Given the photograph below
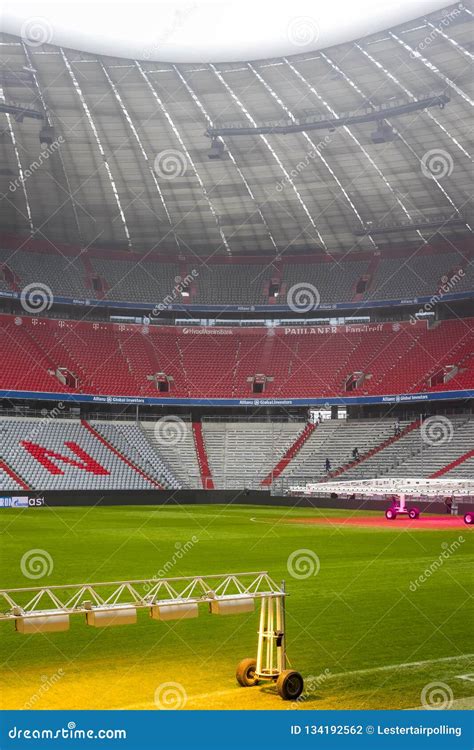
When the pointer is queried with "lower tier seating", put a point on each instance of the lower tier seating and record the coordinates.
(68, 454)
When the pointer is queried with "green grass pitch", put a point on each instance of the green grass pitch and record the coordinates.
(357, 631)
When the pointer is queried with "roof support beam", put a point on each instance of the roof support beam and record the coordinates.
(67, 189)
(93, 127)
(374, 113)
(143, 152)
(202, 109)
(272, 151)
(186, 153)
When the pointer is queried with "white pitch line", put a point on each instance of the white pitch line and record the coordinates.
(273, 522)
(384, 668)
(388, 667)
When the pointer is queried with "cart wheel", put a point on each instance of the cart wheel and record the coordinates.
(290, 684)
(469, 518)
(390, 514)
(417, 511)
(412, 513)
(246, 673)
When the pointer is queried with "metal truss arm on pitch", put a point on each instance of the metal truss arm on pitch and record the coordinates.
(82, 597)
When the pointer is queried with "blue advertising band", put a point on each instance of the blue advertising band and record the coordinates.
(139, 730)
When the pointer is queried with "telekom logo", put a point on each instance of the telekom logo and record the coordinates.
(44, 456)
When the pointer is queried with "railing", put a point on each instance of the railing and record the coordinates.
(262, 419)
(48, 415)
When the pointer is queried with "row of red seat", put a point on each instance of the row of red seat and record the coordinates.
(221, 363)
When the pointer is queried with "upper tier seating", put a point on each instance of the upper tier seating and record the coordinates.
(405, 278)
(64, 275)
(144, 282)
(154, 280)
(112, 359)
(334, 281)
(232, 284)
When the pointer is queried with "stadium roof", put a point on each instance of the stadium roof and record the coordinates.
(183, 31)
(127, 161)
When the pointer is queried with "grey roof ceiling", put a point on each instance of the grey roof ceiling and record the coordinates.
(116, 121)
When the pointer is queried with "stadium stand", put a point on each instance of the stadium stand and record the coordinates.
(401, 278)
(290, 453)
(336, 439)
(178, 453)
(81, 274)
(130, 441)
(233, 284)
(436, 458)
(204, 468)
(413, 455)
(241, 454)
(98, 455)
(143, 282)
(69, 454)
(64, 275)
(223, 362)
(334, 281)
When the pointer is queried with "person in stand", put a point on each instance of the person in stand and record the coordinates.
(320, 417)
(398, 427)
(355, 454)
(328, 466)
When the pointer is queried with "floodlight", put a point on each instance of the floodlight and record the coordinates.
(174, 611)
(232, 605)
(105, 617)
(43, 623)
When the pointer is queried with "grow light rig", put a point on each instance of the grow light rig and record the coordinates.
(47, 609)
